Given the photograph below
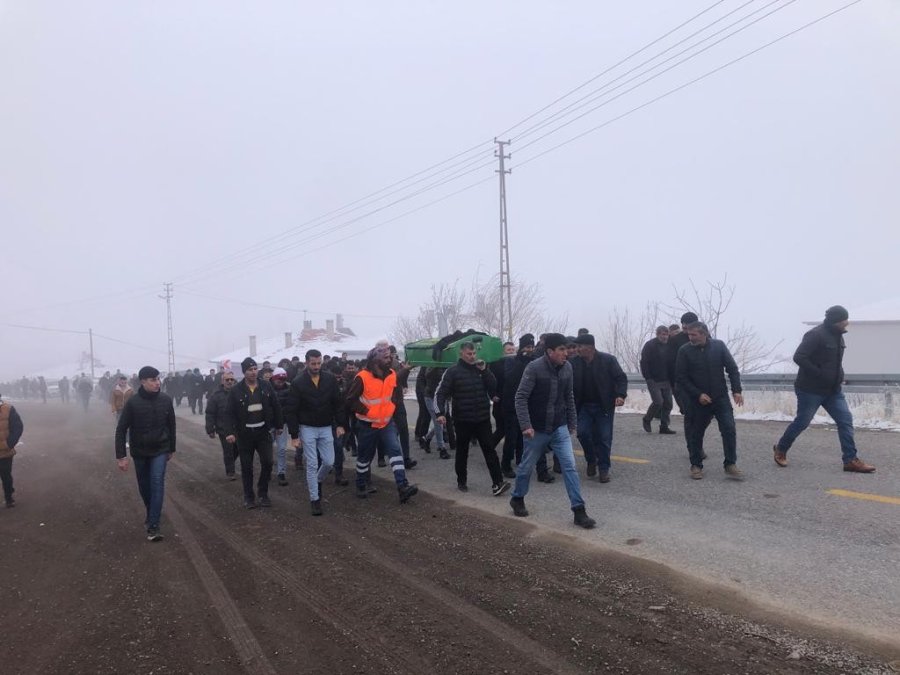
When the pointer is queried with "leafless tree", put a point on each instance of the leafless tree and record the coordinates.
(444, 311)
(626, 332)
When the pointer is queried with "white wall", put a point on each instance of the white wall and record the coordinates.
(872, 348)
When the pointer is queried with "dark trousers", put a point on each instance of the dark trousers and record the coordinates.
(423, 421)
(481, 431)
(595, 433)
(661, 406)
(259, 442)
(229, 453)
(513, 444)
(6, 477)
(338, 454)
(499, 424)
(701, 416)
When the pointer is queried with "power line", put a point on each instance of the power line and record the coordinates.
(45, 328)
(686, 84)
(283, 309)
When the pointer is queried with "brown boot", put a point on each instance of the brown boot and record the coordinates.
(780, 457)
(856, 465)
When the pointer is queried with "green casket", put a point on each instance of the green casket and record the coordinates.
(431, 354)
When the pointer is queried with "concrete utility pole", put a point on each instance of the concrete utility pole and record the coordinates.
(167, 288)
(505, 278)
(91, 340)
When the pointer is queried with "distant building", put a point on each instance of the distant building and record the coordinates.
(872, 339)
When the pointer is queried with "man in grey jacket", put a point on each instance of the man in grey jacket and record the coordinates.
(545, 408)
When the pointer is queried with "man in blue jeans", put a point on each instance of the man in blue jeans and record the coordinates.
(545, 408)
(820, 358)
(600, 387)
(149, 419)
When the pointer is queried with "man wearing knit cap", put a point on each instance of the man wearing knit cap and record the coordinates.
(372, 397)
(820, 357)
(545, 407)
(148, 420)
(251, 415)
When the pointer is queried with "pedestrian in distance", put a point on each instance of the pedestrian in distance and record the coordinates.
(471, 386)
(11, 430)
(216, 421)
(282, 388)
(148, 418)
(545, 408)
(252, 415)
(119, 396)
(655, 369)
(818, 385)
(700, 373)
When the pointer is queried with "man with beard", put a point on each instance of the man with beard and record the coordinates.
(818, 385)
(655, 364)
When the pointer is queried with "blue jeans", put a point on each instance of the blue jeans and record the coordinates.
(561, 444)
(595, 433)
(317, 442)
(369, 437)
(281, 442)
(437, 430)
(151, 479)
(836, 406)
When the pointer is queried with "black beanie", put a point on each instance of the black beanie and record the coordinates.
(554, 340)
(836, 314)
(526, 340)
(586, 339)
(688, 317)
(247, 364)
(147, 373)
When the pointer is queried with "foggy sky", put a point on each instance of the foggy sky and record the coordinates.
(143, 142)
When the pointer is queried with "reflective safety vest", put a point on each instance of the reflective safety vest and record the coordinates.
(5, 450)
(376, 396)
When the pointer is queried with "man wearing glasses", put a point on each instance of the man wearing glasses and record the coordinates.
(216, 405)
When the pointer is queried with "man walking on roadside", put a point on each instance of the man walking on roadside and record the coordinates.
(216, 411)
(545, 408)
(700, 373)
(471, 386)
(148, 419)
(818, 384)
(11, 429)
(655, 369)
(119, 396)
(372, 397)
(252, 413)
(314, 406)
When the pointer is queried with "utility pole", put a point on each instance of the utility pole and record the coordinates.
(167, 288)
(91, 339)
(505, 278)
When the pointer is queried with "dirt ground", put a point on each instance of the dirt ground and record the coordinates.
(371, 587)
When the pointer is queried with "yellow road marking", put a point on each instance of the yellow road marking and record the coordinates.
(865, 495)
(619, 458)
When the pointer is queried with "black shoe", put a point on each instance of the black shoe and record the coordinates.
(462, 487)
(666, 431)
(371, 489)
(498, 490)
(230, 476)
(340, 480)
(582, 519)
(444, 454)
(10, 502)
(264, 501)
(646, 424)
(249, 503)
(546, 477)
(381, 462)
(604, 476)
(507, 472)
(361, 491)
(153, 534)
(321, 493)
(316, 507)
(591, 469)
(518, 507)
(282, 480)
(556, 467)
(406, 491)
(410, 463)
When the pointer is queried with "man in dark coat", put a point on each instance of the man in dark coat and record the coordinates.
(253, 413)
(655, 365)
(471, 386)
(820, 358)
(600, 386)
(11, 429)
(216, 411)
(148, 422)
(700, 373)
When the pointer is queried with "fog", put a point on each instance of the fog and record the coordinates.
(195, 142)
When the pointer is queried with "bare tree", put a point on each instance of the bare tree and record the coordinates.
(626, 332)
(529, 312)
(444, 312)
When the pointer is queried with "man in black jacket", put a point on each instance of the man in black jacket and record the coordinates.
(252, 414)
(498, 368)
(818, 384)
(700, 372)
(600, 387)
(11, 430)
(655, 365)
(314, 406)
(471, 385)
(216, 411)
(148, 420)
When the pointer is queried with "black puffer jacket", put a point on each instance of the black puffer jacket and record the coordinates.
(313, 406)
(610, 380)
(149, 419)
(471, 390)
(216, 407)
(701, 370)
(820, 357)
